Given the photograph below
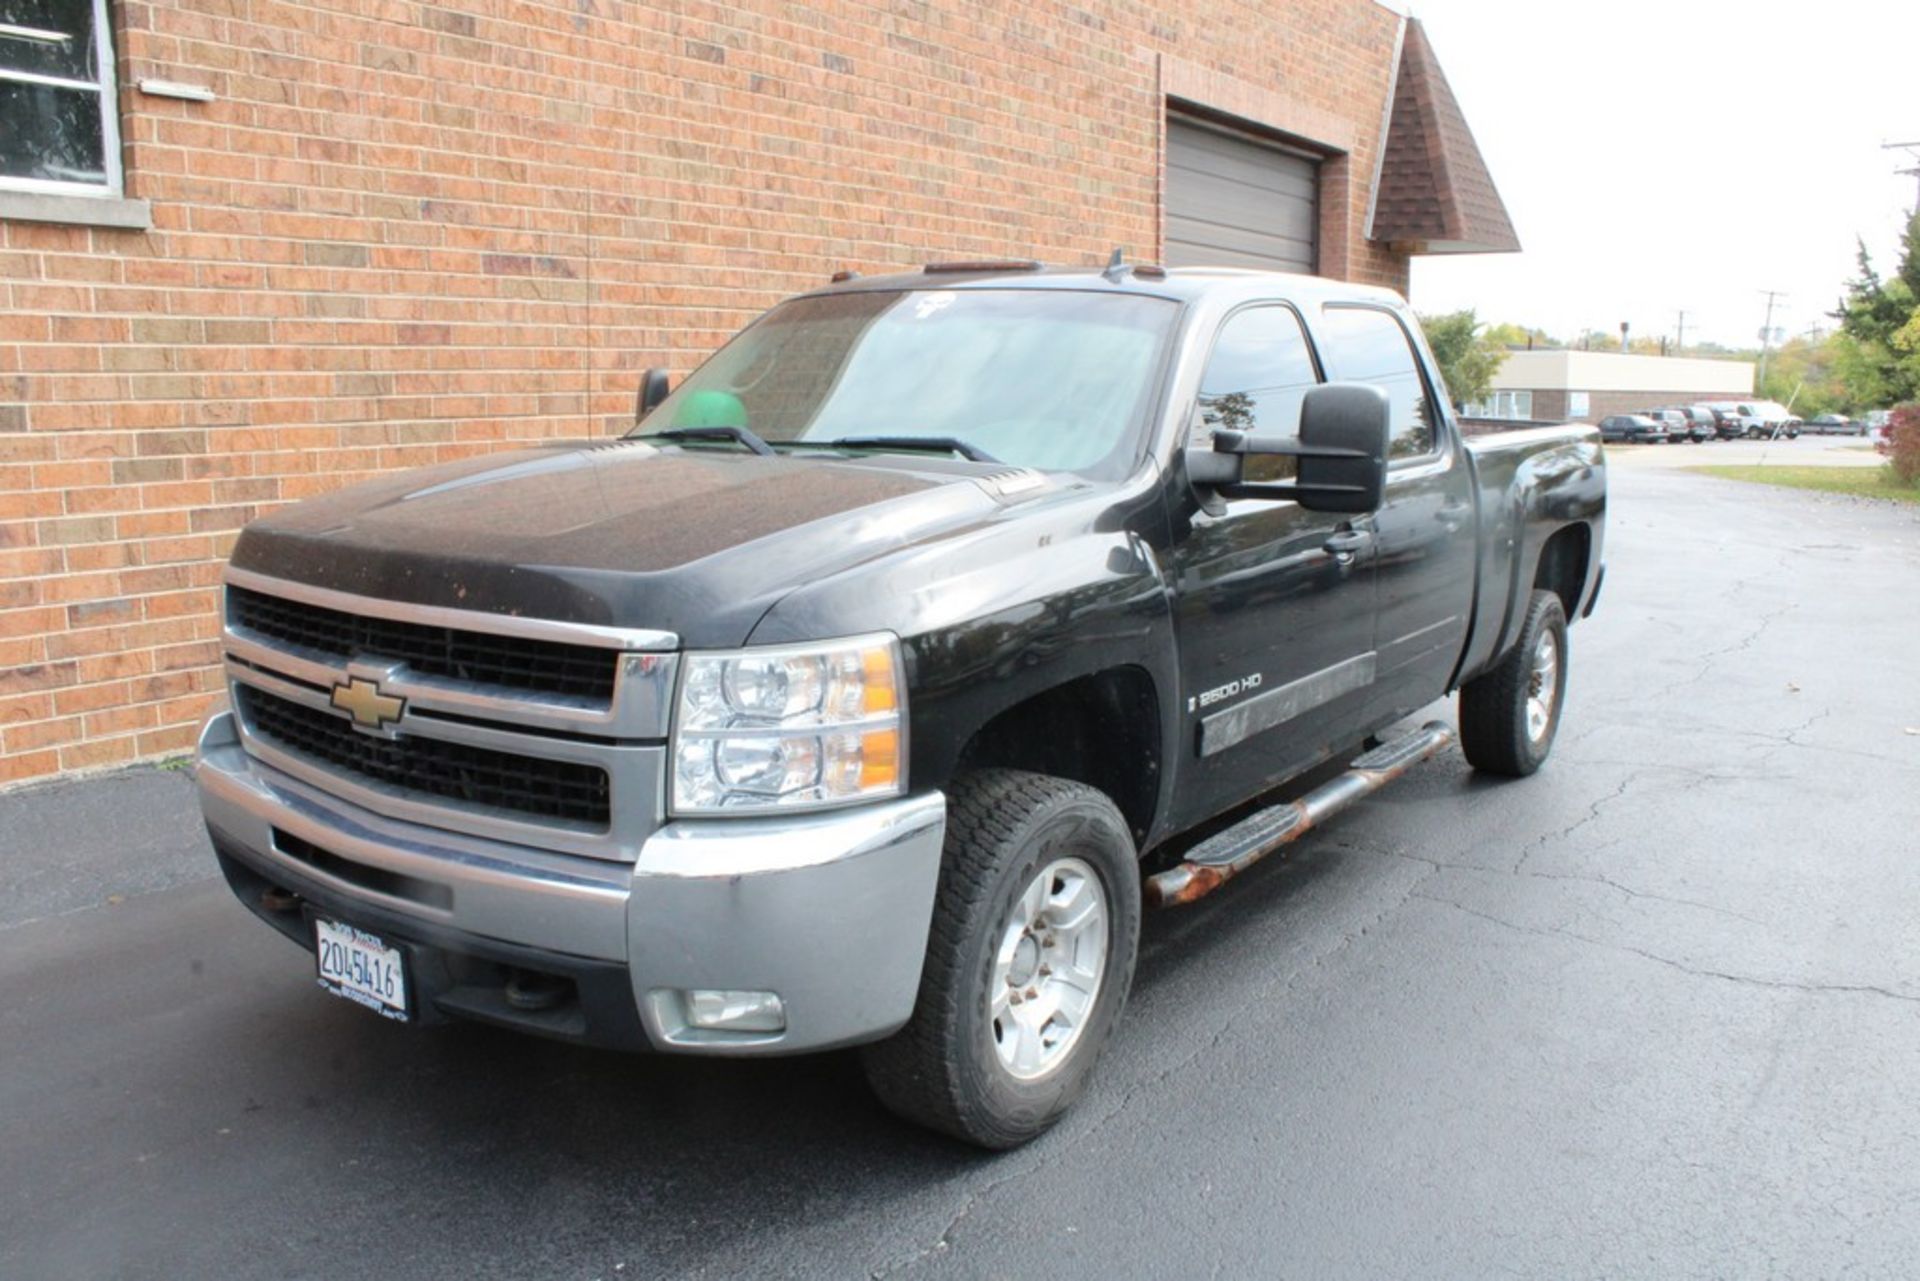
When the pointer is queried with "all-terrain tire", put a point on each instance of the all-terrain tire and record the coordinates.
(1501, 729)
(943, 1070)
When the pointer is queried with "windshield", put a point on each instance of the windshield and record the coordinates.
(1052, 379)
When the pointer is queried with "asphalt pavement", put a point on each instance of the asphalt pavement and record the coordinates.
(1802, 451)
(1654, 1012)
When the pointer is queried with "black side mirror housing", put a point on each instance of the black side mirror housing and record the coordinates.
(1344, 429)
(655, 384)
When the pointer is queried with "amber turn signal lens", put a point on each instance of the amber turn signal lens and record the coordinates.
(876, 669)
(879, 758)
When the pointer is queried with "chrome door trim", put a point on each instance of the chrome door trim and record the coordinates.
(1283, 703)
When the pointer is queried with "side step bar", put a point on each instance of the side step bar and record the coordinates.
(1225, 855)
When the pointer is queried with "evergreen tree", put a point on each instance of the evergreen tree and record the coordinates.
(1880, 322)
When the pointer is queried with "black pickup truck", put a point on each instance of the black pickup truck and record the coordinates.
(867, 690)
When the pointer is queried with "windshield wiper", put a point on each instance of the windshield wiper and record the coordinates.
(938, 444)
(738, 435)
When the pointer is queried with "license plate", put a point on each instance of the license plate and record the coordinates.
(361, 967)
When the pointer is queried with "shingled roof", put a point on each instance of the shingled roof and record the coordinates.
(1435, 195)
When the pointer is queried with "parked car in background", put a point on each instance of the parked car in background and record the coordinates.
(1680, 425)
(1773, 419)
(1726, 423)
(1633, 429)
(1759, 419)
(1700, 419)
(1835, 425)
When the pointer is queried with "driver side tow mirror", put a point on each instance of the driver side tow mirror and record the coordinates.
(1342, 452)
(654, 386)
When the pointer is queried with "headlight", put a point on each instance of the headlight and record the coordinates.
(789, 727)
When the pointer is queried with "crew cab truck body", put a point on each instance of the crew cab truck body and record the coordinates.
(842, 702)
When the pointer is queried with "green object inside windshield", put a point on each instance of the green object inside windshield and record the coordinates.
(1055, 379)
(710, 409)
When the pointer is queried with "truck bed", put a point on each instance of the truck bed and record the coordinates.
(1533, 485)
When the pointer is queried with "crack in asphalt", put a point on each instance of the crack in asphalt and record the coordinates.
(1630, 892)
(1593, 813)
(1359, 847)
(1789, 985)
(1709, 659)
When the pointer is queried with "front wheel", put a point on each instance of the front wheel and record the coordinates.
(1036, 925)
(1510, 713)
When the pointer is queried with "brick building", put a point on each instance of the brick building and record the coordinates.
(251, 250)
(1586, 386)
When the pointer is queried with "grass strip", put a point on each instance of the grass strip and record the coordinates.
(1863, 482)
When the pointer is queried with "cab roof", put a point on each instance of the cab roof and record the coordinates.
(1181, 284)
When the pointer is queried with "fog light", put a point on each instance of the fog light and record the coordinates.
(736, 1011)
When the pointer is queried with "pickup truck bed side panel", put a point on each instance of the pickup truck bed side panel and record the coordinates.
(1533, 484)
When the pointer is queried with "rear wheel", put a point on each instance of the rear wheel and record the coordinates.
(1510, 714)
(1036, 924)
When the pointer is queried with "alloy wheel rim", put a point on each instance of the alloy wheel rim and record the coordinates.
(1543, 685)
(1048, 969)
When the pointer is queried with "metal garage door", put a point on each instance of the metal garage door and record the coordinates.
(1235, 203)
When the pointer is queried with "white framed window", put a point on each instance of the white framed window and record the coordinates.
(1510, 405)
(59, 112)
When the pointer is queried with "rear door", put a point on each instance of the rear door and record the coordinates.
(1274, 628)
(1425, 536)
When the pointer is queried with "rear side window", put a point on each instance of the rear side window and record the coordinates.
(1256, 378)
(1366, 345)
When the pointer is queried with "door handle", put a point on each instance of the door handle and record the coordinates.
(1453, 515)
(1348, 543)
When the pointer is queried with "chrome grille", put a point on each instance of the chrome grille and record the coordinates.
(546, 734)
(513, 662)
(564, 790)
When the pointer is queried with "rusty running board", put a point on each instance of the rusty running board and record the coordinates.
(1225, 855)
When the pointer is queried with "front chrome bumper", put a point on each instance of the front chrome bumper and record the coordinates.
(830, 911)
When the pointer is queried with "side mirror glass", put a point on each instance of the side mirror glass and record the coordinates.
(655, 384)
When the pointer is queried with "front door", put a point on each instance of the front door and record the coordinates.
(1274, 628)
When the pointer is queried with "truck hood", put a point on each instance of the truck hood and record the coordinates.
(625, 534)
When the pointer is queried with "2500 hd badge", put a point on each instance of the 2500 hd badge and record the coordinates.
(873, 685)
(1221, 693)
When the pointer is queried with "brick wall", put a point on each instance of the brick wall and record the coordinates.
(405, 232)
(1551, 404)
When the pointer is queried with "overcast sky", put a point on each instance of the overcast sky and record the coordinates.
(1681, 154)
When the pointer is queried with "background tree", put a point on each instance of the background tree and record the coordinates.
(1518, 337)
(1805, 375)
(1880, 320)
(1468, 359)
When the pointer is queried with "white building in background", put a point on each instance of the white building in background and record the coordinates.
(1561, 386)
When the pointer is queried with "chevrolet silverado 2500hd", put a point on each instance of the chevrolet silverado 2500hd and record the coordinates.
(846, 700)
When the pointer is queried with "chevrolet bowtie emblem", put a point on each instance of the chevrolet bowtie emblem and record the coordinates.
(362, 700)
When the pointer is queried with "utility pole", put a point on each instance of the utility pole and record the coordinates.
(1913, 153)
(1766, 334)
(1680, 341)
